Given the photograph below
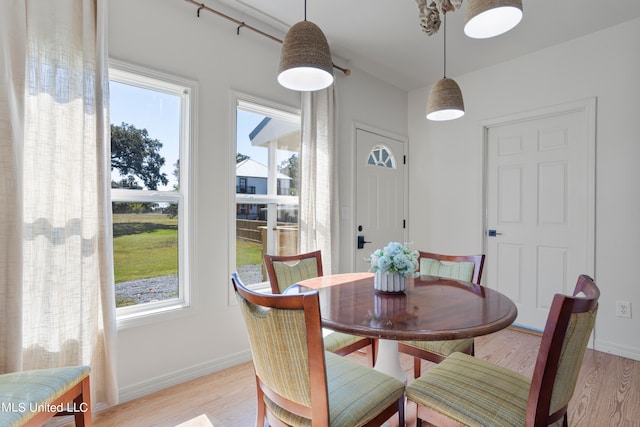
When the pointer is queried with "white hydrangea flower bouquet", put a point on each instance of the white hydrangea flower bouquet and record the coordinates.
(395, 258)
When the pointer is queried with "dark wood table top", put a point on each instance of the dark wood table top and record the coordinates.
(432, 308)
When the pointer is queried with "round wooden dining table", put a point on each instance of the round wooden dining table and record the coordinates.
(431, 308)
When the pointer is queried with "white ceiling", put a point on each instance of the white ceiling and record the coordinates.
(383, 37)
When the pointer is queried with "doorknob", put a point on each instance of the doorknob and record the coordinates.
(361, 242)
(493, 233)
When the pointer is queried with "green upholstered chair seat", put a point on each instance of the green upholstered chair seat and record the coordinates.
(334, 341)
(473, 392)
(23, 394)
(349, 404)
(443, 348)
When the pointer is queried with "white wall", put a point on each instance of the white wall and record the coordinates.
(446, 159)
(366, 101)
(168, 36)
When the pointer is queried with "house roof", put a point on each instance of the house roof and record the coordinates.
(285, 133)
(251, 169)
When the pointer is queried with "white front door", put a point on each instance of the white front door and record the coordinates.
(540, 207)
(380, 193)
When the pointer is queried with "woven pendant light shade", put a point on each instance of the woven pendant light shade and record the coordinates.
(305, 59)
(489, 18)
(445, 101)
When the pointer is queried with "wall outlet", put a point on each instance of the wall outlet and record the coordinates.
(623, 309)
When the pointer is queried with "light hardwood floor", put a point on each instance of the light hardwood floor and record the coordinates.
(607, 393)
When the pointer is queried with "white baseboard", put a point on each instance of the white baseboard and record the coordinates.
(617, 349)
(144, 388)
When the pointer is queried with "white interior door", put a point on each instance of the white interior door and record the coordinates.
(380, 193)
(540, 208)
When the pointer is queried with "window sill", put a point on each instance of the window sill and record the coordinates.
(152, 315)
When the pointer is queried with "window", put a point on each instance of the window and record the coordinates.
(381, 156)
(150, 142)
(266, 177)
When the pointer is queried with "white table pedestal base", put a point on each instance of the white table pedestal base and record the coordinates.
(388, 360)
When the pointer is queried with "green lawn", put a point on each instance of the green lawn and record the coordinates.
(248, 253)
(144, 246)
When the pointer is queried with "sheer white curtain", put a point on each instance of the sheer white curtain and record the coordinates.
(319, 177)
(56, 263)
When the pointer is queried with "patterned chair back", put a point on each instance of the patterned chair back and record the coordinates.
(467, 268)
(564, 342)
(286, 270)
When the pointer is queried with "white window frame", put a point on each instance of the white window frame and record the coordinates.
(187, 90)
(271, 109)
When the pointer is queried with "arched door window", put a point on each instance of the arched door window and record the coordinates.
(381, 156)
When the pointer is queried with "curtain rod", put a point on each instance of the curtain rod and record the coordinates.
(241, 24)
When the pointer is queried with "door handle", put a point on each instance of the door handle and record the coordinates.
(361, 242)
(493, 233)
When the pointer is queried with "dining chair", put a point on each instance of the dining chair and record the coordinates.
(298, 382)
(286, 270)
(467, 268)
(464, 390)
(30, 398)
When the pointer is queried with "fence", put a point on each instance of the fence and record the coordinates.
(256, 231)
(247, 229)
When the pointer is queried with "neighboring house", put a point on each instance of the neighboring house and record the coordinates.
(251, 178)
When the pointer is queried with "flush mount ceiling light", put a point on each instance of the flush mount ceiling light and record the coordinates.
(305, 58)
(445, 98)
(489, 18)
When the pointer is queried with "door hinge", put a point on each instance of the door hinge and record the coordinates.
(404, 223)
(404, 160)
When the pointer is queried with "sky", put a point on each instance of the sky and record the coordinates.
(157, 112)
(246, 122)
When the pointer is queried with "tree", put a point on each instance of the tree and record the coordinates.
(135, 154)
(289, 167)
(172, 210)
(240, 157)
(176, 174)
(127, 182)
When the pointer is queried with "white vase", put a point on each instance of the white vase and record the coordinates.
(383, 281)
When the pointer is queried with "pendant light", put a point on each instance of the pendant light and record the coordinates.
(489, 18)
(445, 99)
(305, 58)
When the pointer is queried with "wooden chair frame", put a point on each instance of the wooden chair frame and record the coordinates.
(419, 354)
(269, 260)
(319, 410)
(78, 397)
(555, 330)
(547, 362)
